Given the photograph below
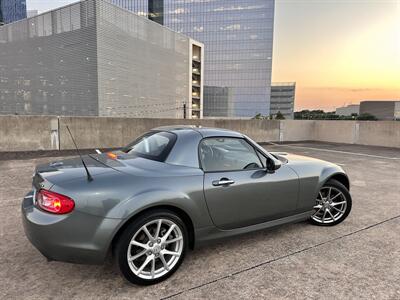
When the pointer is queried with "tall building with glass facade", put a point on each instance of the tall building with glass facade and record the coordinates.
(238, 39)
(12, 10)
(152, 9)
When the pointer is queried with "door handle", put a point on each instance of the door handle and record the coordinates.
(222, 181)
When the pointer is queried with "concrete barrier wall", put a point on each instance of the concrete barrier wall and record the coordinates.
(295, 130)
(338, 131)
(383, 133)
(33, 133)
(258, 130)
(98, 132)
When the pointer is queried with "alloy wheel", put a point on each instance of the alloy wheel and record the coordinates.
(155, 249)
(330, 206)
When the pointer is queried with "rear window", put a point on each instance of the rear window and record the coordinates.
(155, 145)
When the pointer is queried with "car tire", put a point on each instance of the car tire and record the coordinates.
(333, 204)
(161, 254)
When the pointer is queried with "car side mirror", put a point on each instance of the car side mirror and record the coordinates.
(274, 165)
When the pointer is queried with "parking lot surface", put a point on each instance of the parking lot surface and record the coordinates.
(359, 258)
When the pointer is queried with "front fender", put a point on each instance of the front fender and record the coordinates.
(312, 177)
(326, 173)
(330, 172)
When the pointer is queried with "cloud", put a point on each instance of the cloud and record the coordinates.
(343, 89)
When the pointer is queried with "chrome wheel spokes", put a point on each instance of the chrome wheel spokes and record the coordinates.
(330, 205)
(155, 249)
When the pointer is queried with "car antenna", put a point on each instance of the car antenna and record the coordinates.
(89, 177)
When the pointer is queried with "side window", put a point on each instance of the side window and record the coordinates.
(228, 154)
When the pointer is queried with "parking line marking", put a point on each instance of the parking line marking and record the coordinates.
(281, 257)
(339, 151)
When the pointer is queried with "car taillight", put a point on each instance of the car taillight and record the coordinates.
(54, 202)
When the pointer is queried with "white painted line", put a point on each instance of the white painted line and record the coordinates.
(338, 151)
(360, 183)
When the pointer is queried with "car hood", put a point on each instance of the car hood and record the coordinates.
(307, 166)
(294, 159)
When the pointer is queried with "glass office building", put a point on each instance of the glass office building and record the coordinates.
(238, 38)
(12, 10)
(140, 7)
(152, 9)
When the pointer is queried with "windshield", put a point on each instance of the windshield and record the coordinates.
(154, 145)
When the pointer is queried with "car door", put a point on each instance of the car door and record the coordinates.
(238, 190)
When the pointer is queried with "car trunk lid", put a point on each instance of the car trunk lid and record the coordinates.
(46, 175)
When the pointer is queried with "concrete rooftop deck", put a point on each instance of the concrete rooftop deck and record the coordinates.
(359, 258)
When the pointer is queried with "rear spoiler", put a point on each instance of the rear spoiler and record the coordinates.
(39, 181)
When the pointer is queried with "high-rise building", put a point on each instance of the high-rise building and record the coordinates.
(12, 10)
(93, 58)
(238, 38)
(282, 99)
(152, 9)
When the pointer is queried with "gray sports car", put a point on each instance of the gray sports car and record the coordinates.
(172, 189)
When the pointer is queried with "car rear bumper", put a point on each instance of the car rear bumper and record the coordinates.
(76, 237)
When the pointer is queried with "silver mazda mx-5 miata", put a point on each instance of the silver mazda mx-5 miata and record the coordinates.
(172, 189)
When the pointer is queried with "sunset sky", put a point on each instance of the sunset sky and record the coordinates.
(338, 51)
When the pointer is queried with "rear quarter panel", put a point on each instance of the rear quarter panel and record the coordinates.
(183, 191)
(122, 195)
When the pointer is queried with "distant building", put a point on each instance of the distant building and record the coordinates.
(282, 99)
(12, 10)
(93, 58)
(348, 110)
(238, 39)
(383, 110)
(32, 13)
